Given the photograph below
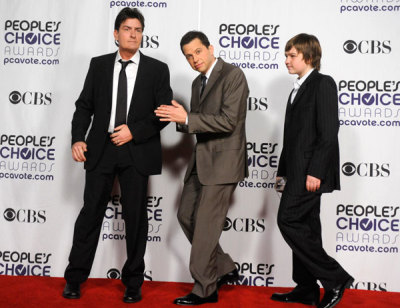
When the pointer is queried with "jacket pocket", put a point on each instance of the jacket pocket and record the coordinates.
(227, 145)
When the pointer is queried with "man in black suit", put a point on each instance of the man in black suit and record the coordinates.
(120, 94)
(310, 163)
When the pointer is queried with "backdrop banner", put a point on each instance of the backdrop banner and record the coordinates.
(45, 50)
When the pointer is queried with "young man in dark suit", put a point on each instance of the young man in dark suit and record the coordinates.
(118, 100)
(310, 163)
(219, 161)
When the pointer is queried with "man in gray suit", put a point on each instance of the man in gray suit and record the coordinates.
(219, 162)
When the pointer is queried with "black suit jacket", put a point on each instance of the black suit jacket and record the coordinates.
(310, 145)
(93, 106)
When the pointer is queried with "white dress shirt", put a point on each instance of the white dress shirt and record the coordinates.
(297, 84)
(208, 74)
(131, 72)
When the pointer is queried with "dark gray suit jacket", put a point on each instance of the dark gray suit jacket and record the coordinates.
(310, 143)
(218, 120)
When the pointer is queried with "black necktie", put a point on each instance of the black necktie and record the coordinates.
(120, 114)
(203, 84)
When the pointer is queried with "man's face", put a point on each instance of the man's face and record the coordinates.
(199, 56)
(295, 63)
(129, 35)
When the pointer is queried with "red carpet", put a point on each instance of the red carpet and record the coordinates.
(22, 291)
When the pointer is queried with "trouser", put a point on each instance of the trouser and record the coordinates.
(300, 225)
(202, 214)
(116, 161)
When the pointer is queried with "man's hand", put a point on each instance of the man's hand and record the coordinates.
(121, 135)
(312, 183)
(175, 113)
(280, 183)
(78, 151)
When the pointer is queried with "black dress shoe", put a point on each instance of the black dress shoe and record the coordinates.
(332, 297)
(132, 295)
(72, 291)
(193, 299)
(303, 295)
(230, 277)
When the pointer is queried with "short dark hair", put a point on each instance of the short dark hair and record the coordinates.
(191, 35)
(126, 13)
(309, 46)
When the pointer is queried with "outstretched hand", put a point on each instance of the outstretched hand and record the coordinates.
(172, 113)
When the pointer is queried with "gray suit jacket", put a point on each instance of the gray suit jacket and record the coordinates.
(218, 120)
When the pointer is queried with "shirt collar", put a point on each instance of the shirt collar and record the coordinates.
(208, 74)
(300, 81)
(135, 58)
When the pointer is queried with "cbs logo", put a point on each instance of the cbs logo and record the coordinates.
(113, 274)
(367, 47)
(26, 216)
(30, 98)
(366, 169)
(245, 225)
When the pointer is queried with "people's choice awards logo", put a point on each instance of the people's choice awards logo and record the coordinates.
(262, 162)
(17, 263)
(255, 274)
(34, 42)
(27, 157)
(367, 229)
(113, 227)
(373, 103)
(250, 46)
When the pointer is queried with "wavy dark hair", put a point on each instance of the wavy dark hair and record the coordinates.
(126, 13)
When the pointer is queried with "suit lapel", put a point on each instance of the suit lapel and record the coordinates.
(304, 86)
(139, 79)
(109, 75)
(288, 108)
(194, 104)
(289, 102)
(212, 80)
